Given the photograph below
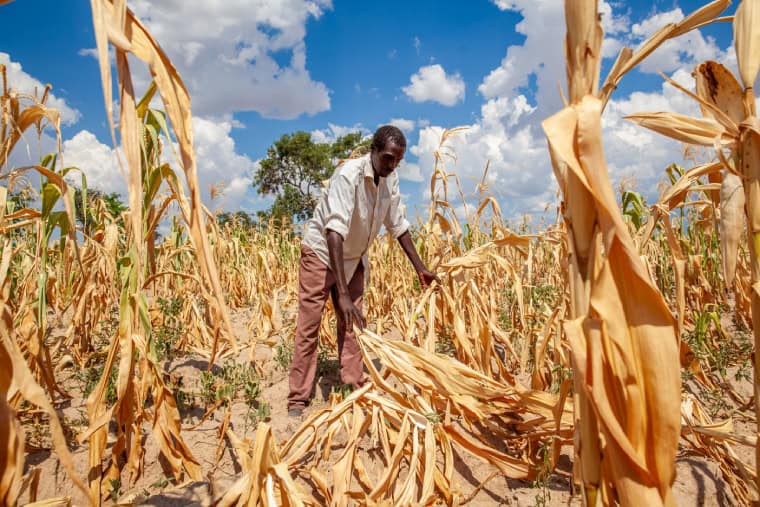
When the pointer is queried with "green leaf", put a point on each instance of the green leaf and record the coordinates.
(144, 104)
(50, 195)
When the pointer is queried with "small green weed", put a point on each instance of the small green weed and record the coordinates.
(543, 472)
(235, 378)
(208, 387)
(89, 377)
(434, 418)
(344, 390)
(183, 399)
(283, 354)
(115, 490)
(164, 338)
(327, 363)
(161, 483)
(445, 345)
(559, 375)
(260, 413)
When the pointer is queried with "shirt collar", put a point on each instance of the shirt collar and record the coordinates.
(368, 171)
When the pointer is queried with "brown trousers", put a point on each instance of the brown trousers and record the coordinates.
(315, 282)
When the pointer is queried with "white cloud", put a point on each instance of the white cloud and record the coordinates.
(96, 160)
(507, 133)
(650, 25)
(219, 163)
(613, 22)
(519, 172)
(333, 132)
(402, 123)
(534, 57)
(217, 160)
(409, 171)
(690, 49)
(238, 56)
(431, 83)
(22, 82)
(29, 150)
(417, 44)
(638, 154)
(611, 47)
(91, 52)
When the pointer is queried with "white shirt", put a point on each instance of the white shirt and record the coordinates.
(355, 208)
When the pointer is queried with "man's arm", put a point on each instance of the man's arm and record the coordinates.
(426, 277)
(346, 306)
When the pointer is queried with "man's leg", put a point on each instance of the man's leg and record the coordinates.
(313, 288)
(351, 364)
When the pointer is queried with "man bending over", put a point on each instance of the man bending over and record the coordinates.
(362, 195)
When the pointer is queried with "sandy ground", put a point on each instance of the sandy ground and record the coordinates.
(698, 481)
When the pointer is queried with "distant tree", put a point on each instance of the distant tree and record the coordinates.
(19, 199)
(295, 168)
(113, 203)
(240, 217)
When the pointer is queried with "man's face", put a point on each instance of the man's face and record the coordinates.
(386, 160)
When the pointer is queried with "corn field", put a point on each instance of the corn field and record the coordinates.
(601, 348)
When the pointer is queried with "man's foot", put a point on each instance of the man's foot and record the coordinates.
(295, 412)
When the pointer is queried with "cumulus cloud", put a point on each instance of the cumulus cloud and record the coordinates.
(537, 59)
(640, 155)
(409, 171)
(402, 123)
(688, 49)
(235, 56)
(431, 83)
(333, 132)
(218, 163)
(30, 149)
(22, 82)
(518, 176)
(534, 57)
(96, 160)
(508, 135)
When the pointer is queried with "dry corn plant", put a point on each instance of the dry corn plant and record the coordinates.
(23, 321)
(413, 416)
(114, 21)
(730, 125)
(622, 334)
(416, 413)
(482, 364)
(139, 373)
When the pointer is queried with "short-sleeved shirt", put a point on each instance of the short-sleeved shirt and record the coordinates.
(355, 208)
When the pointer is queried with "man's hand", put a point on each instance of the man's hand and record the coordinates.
(426, 277)
(350, 312)
(346, 309)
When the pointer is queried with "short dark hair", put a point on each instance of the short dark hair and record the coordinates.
(386, 134)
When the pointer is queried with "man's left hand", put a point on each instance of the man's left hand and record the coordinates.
(426, 278)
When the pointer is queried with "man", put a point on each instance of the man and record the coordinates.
(362, 195)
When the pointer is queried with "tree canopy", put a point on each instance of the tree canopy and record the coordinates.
(113, 204)
(295, 168)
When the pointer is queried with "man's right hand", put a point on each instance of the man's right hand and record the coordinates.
(350, 312)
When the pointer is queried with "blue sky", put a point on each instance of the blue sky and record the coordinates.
(257, 70)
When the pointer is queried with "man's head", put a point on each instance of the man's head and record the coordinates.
(388, 147)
